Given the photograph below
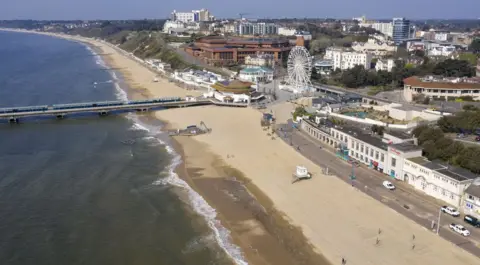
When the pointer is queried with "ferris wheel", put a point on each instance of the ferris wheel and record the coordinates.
(299, 68)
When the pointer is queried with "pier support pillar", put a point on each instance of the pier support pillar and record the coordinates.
(60, 116)
(103, 113)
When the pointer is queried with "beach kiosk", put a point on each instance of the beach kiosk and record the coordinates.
(301, 173)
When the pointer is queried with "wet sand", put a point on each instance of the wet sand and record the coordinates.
(263, 233)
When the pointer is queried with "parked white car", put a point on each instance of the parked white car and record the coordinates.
(450, 210)
(460, 229)
(387, 184)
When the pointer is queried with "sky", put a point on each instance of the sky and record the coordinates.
(139, 9)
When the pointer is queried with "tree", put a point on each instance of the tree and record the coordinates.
(315, 75)
(429, 134)
(377, 129)
(471, 58)
(418, 53)
(475, 46)
(354, 77)
(319, 45)
(299, 112)
(470, 107)
(454, 68)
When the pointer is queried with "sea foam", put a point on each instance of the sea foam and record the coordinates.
(198, 203)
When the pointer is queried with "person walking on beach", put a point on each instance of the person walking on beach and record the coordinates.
(344, 261)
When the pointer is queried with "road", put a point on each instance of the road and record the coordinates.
(418, 207)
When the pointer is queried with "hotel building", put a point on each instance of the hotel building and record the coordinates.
(222, 51)
(385, 65)
(259, 28)
(441, 88)
(345, 59)
(375, 47)
(385, 154)
(471, 200)
(438, 180)
(194, 16)
(396, 155)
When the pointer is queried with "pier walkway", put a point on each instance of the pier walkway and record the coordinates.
(60, 111)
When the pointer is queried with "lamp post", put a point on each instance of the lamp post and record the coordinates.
(438, 224)
(352, 176)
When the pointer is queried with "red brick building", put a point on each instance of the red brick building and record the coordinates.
(222, 51)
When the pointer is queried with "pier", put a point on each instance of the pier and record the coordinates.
(104, 108)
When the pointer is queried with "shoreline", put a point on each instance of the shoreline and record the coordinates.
(333, 217)
(264, 234)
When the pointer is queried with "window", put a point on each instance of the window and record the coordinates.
(394, 162)
(371, 152)
(451, 196)
(376, 155)
(470, 197)
(366, 150)
(382, 158)
(356, 146)
(361, 148)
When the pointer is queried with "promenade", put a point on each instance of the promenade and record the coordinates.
(410, 203)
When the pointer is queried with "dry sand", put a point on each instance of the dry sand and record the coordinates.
(337, 219)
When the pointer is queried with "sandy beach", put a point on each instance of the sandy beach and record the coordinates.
(276, 222)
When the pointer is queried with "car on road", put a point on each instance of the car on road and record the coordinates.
(460, 229)
(387, 184)
(477, 138)
(472, 220)
(450, 210)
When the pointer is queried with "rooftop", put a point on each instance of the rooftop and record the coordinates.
(443, 82)
(256, 69)
(474, 189)
(406, 147)
(424, 162)
(441, 167)
(234, 86)
(363, 136)
(399, 134)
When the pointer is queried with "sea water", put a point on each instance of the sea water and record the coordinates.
(92, 190)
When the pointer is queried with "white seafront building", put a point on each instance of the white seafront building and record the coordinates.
(203, 79)
(386, 28)
(260, 59)
(385, 65)
(396, 155)
(158, 65)
(375, 47)
(343, 59)
(438, 179)
(285, 31)
(193, 16)
(471, 200)
(256, 74)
